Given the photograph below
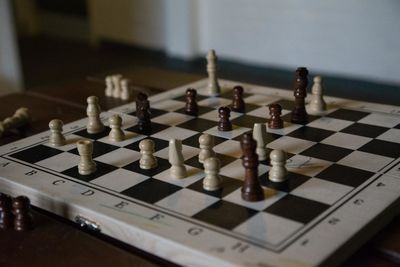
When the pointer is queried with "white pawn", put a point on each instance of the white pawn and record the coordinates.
(317, 103)
(125, 92)
(116, 134)
(117, 85)
(212, 181)
(109, 86)
(147, 160)
(178, 169)
(260, 135)
(206, 143)
(278, 172)
(86, 164)
(56, 136)
(213, 87)
(93, 112)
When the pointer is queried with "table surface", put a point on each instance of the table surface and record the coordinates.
(57, 242)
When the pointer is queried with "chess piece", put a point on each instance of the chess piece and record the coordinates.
(251, 190)
(224, 123)
(116, 79)
(143, 113)
(260, 135)
(109, 86)
(238, 104)
(86, 164)
(212, 181)
(116, 134)
(213, 86)
(93, 112)
(278, 172)
(275, 111)
(6, 215)
(191, 107)
(125, 91)
(299, 113)
(206, 144)
(317, 103)
(178, 169)
(19, 119)
(56, 137)
(147, 160)
(23, 220)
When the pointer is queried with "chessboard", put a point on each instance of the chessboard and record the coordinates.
(343, 181)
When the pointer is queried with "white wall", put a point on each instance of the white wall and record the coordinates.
(342, 37)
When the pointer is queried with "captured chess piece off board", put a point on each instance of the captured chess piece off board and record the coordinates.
(272, 184)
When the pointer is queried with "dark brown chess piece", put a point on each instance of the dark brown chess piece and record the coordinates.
(238, 104)
(299, 113)
(143, 114)
(275, 111)
(224, 123)
(139, 99)
(191, 107)
(6, 215)
(22, 215)
(251, 190)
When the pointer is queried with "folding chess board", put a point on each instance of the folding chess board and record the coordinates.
(344, 181)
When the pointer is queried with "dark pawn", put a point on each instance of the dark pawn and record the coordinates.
(23, 219)
(139, 100)
(191, 104)
(275, 111)
(299, 113)
(6, 216)
(238, 104)
(224, 123)
(251, 190)
(143, 115)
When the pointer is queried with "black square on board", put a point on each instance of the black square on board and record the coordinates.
(155, 128)
(95, 136)
(345, 175)
(151, 190)
(248, 121)
(159, 144)
(311, 134)
(36, 153)
(397, 126)
(101, 169)
(326, 152)
(228, 186)
(193, 141)
(381, 147)
(364, 130)
(297, 208)
(225, 214)
(201, 110)
(285, 104)
(347, 114)
(162, 165)
(153, 112)
(310, 118)
(293, 180)
(247, 108)
(99, 148)
(198, 124)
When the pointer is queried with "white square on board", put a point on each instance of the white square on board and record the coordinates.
(193, 175)
(172, 118)
(365, 161)
(174, 133)
(168, 104)
(306, 165)
(187, 202)
(119, 180)
(71, 141)
(268, 228)
(130, 137)
(288, 127)
(60, 162)
(235, 170)
(261, 99)
(345, 140)
(213, 115)
(230, 148)
(290, 144)
(214, 102)
(119, 157)
(380, 119)
(331, 124)
(187, 152)
(321, 190)
(391, 135)
(236, 131)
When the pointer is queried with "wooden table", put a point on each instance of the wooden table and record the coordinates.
(57, 242)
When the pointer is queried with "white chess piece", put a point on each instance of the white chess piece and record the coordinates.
(178, 169)
(93, 112)
(206, 143)
(116, 78)
(147, 160)
(125, 92)
(86, 164)
(212, 181)
(56, 137)
(21, 117)
(109, 86)
(260, 135)
(278, 172)
(213, 86)
(116, 134)
(317, 103)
